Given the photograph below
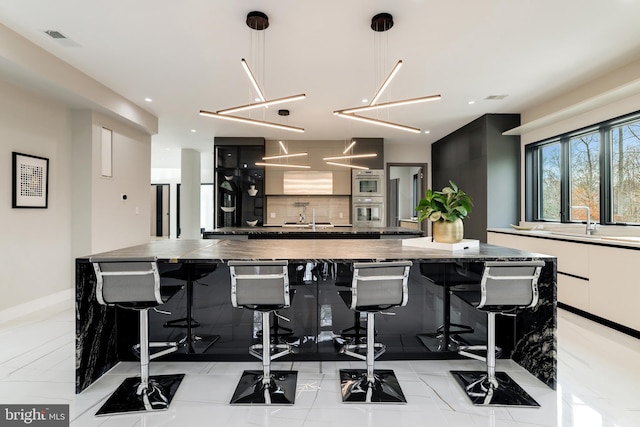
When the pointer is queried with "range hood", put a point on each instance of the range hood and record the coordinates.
(307, 182)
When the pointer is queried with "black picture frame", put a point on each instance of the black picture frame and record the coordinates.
(30, 181)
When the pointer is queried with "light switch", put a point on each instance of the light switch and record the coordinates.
(272, 215)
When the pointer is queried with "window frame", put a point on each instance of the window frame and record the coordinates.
(533, 165)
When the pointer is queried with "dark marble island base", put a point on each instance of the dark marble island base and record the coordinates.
(317, 314)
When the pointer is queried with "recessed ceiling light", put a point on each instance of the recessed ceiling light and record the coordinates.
(148, 99)
(471, 102)
(257, 99)
(193, 130)
(365, 100)
(427, 131)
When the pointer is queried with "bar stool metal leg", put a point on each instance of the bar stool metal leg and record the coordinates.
(143, 393)
(266, 386)
(369, 385)
(490, 387)
(505, 287)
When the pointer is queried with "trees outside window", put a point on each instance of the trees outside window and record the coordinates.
(585, 175)
(598, 167)
(550, 182)
(625, 172)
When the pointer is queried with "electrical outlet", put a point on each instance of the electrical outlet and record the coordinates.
(340, 215)
(272, 215)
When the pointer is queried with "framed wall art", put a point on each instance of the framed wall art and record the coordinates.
(30, 181)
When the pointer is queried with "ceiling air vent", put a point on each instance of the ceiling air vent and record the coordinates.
(61, 38)
(55, 34)
(496, 97)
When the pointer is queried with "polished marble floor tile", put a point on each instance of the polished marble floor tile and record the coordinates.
(598, 373)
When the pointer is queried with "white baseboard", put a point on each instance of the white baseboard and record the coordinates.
(63, 299)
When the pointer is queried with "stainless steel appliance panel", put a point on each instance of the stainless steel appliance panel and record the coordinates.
(368, 183)
(368, 211)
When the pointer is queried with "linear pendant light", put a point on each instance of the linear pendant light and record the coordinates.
(257, 21)
(283, 165)
(380, 23)
(253, 80)
(283, 147)
(377, 122)
(346, 150)
(352, 156)
(386, 82)
(263, 104)
(392, 104)
(284, 156)
(251, 121)
(347, 166)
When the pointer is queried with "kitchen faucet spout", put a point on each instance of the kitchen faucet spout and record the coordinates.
(591, 227)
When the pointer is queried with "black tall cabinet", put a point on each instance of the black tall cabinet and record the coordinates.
(239, 183)
(486, 165)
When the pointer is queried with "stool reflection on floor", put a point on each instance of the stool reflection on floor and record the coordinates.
(134, 284)
(376, 286)
(263, 286)
(505, 287)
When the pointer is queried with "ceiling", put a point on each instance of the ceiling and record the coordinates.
(186, 57)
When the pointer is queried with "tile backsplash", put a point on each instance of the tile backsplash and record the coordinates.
(333, 209)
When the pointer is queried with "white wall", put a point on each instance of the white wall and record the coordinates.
(85, 214)
(35, 244)
(118, 223)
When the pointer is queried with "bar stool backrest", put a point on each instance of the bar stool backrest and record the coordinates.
(509, 284)
(257, 284)
(380, 284)
(127, 280)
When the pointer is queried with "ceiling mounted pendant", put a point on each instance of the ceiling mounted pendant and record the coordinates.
(257, 21)
(286, 155)
(380, 23)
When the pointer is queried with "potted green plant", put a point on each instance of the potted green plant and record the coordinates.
(446, 209)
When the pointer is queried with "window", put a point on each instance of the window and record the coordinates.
(598, 168)
(585, 176)
(550, 182)
(625, 172)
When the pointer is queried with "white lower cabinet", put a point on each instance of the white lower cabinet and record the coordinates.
(574, 291)
(615, 292)
(598, 279)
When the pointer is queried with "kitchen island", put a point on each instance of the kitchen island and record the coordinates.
(105, 335)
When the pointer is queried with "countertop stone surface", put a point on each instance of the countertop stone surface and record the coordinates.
(601, 238)
(325, 250)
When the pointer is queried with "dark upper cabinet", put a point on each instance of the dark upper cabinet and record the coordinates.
(486, 165)
(239, 182)
(367, 146)
(238, 153)
(249, 155)
(226, 157)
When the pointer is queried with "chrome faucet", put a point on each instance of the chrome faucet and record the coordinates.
(591, 227)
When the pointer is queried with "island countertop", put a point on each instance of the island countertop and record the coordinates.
(320, 250)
